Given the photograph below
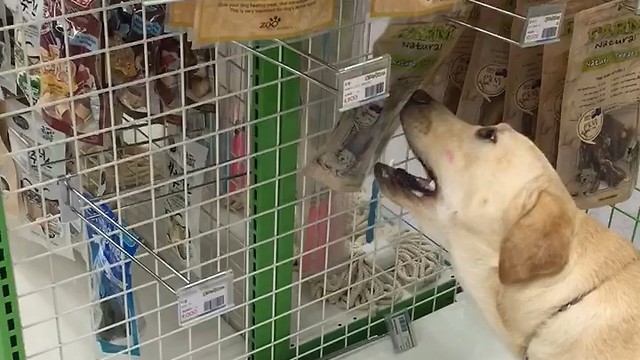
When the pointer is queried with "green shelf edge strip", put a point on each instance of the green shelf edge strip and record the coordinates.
(270, 314)
(11, 343)
(422, 305)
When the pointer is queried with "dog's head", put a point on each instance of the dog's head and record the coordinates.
(490, 182)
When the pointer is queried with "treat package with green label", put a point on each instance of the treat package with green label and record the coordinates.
(482, 99)
(417, 47)
(522, 93)
(446, 85)
(411, 8)
(597, 147)
(554, 68)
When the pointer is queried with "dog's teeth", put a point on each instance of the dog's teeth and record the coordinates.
(432, 185)
(417, 193)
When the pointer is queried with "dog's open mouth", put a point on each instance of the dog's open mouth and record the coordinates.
(400, 178)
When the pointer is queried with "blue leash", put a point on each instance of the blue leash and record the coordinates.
(373, 207)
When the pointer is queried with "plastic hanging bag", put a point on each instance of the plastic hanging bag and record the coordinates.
(554, 69)
(116, 320)
(243, 20)
(417, 47)
(598, 143)
(482, 99)
(40, 206)
(180, 15)
(410, 8)
(8, 80)
(78, 77)
(183, 226)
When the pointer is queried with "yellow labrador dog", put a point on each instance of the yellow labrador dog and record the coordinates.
(552, 282)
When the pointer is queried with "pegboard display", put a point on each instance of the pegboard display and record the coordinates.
(162, 176)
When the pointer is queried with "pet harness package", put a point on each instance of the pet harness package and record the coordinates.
(597, 148)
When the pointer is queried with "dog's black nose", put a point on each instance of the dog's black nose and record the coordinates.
(421, 97)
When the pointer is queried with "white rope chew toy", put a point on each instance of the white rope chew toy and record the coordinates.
(417, 262)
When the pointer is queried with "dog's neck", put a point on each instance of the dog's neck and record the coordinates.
(520, 308)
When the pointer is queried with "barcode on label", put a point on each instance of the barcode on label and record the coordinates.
(549, 33)
(403, 324)
(214, 304)
(373, 90)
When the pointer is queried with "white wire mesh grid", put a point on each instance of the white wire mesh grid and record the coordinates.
(54, 277)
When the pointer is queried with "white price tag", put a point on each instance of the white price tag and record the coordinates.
(364, 83)
(543, 24)
(206, 298)
(399, 326)
(638, 7)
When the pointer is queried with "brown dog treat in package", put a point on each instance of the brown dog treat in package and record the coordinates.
(482, 100)
(417, 48)
(242, 20)
(80, 76)
(446, 85)
(522, 93)
(598, 147)
(554, 68)
(408, 8)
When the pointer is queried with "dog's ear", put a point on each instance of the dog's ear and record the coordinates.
(537, 245)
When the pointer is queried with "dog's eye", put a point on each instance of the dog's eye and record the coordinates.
(488, 133)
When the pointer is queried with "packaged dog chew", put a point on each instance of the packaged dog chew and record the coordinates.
(183, 227)
(598, 147)
(180, 15)
(417, 48)
(525, 75)
(482, 99)
(128, 64)
(554, 69)
(446, 85)
(410, 8)
(242, 20)
(40, 207)
(77, 77)
(26, 47)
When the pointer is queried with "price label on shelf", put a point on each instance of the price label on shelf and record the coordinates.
(364, 83)
(205, 298)
(543, 24)
(399, 326)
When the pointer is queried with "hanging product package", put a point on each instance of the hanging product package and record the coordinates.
(43, 224)
(115, 316)
(446, 85)
(78, 77)
(417, 47)
(182, 240)
(482, 99)
(9, 79)
(129, 64)
(243, 20)
(180, 15)
(407, 8)
(27, 15)
(199, 80)
(598, 146)
(554, 69)
(522, 93)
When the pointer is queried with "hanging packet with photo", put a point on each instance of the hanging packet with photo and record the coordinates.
(417, 47)
(482, 99)
(244, 20)
(598, 146)
(554, 69)
(181, 237)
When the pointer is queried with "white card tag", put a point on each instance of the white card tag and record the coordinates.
(399, 326)
(206, 298)
(638, 7)
(364, 83)
(543, 24)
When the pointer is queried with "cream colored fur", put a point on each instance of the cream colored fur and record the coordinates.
(519, 245)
